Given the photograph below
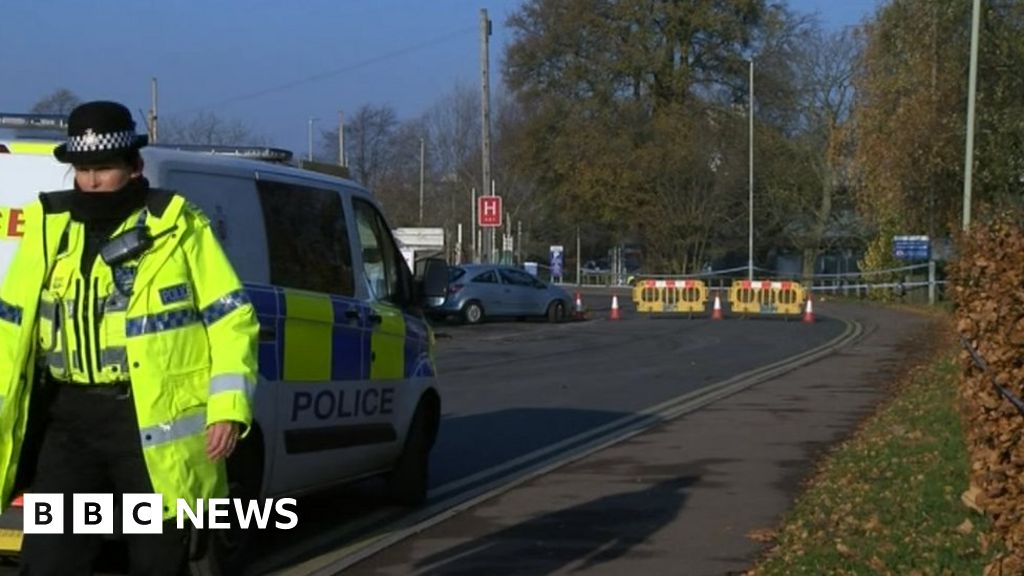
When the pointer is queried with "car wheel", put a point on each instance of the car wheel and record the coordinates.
(224, 552)
(408, 481)
(473, 313)
(556, 311)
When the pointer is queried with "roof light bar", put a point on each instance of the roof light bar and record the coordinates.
(254, 152)
(33, 121)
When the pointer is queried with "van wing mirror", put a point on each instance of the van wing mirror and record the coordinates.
(433, 282)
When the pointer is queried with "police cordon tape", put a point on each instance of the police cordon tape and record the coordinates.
(142, 513)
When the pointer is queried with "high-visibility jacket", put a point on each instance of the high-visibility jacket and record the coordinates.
(189, 337)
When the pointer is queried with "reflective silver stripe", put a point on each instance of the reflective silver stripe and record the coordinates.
(115, 356)
(160, 322)
(10, 313)
(230, 383)
(182, 428)
(224, 305)
(47, 310)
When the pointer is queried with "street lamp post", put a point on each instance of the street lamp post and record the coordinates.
(971, 96)
(422, 154)
(750, 246)
(310, 136)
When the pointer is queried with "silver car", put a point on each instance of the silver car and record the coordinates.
(478, 291)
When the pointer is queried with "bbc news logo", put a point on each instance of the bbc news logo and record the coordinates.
(143, 514)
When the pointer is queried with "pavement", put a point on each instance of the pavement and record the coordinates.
(680, 498)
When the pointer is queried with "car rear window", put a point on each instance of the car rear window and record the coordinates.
(488, 277)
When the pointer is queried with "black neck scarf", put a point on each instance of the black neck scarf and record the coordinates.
(103, 212)
(96, 207)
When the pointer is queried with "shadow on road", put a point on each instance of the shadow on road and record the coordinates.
(471, 443)
(585, 535)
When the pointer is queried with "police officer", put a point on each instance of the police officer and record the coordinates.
(122, 307)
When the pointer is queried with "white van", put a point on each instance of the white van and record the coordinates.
(347, 379)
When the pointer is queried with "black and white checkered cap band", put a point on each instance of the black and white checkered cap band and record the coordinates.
(92, 142)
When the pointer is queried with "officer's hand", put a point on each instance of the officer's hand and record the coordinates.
(220, 439)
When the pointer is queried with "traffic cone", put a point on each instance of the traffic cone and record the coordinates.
(716, 312)
(809, 312)
(615, 308)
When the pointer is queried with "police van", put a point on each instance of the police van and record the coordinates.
(347, 382)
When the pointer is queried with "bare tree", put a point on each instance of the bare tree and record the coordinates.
(61, 101)
(397, 186)
(368, 140)
(827, 75)
(453, 124)
(208, 129)
(453, 137)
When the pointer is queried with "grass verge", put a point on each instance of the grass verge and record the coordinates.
(888, 500)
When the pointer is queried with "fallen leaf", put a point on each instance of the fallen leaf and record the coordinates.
(873, 523)
(843, 549)
(966, 527)
(970, 499)
(762, 535)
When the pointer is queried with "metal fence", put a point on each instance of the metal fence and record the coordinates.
(918, 282)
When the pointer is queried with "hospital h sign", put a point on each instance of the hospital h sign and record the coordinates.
(489, 211)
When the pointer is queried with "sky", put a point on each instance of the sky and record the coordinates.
(271, 64)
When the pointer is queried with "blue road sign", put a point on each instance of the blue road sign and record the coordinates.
(556, 261)
(911, 247)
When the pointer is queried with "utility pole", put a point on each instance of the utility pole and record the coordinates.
(579, 258)
(485, 112)
(519, 242)
(152, 112)
(475, 252)
(310, 133)
(750, 246)
(422, 153)
(341, 140)
(971, 91)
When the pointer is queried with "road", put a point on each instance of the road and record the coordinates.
(680, 497)
(634, 446)
(523, 396)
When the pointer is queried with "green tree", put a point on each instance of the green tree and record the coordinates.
(911, 108)
(631, 104)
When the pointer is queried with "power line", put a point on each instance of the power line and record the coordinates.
(324, 75)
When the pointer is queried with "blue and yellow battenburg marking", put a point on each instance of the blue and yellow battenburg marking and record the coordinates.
(309, 337)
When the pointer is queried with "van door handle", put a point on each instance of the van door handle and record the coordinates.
(376, 319)
(268, 334)
(351, 314)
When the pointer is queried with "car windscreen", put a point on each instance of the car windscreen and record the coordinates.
(455, 273)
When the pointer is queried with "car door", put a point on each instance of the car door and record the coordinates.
(519, 292)
(487, 288)
(388, 286)
(311, 347)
